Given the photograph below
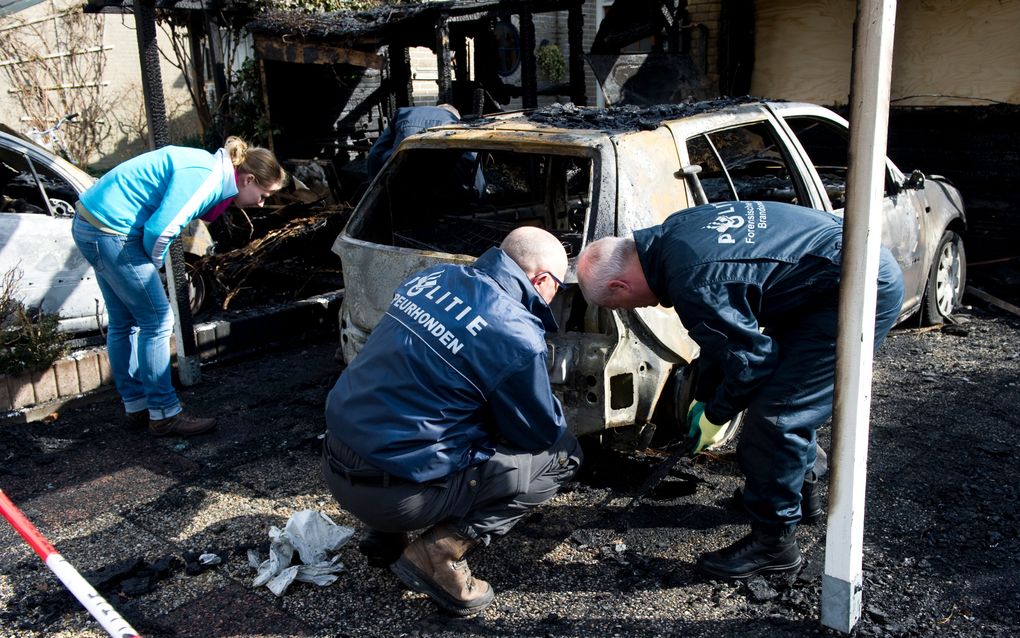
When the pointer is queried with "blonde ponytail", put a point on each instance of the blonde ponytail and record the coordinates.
(236, 149)
(256, 161)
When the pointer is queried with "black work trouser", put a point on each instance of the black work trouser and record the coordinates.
(481, 502)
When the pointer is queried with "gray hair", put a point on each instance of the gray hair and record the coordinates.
(601, 262)
(535, 250)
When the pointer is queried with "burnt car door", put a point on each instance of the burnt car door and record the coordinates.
(824, 141)
(750, 160)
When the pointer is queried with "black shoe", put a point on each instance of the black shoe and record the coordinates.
(811, 510)
(756, 553)
(381, 549)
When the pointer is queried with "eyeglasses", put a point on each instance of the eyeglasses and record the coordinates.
(559, 284)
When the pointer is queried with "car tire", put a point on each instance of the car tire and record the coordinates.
(197, 287)
(675, 400)
(946, 280)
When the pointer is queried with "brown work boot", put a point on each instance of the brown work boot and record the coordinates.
(138, 420)
(434, 564)
(181, 424)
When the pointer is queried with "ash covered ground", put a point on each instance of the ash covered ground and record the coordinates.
(941, 546)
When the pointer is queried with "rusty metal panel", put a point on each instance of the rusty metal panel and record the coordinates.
(649, 189)
(369, 287)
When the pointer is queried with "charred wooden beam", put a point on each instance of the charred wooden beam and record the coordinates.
(314, 53)
(401, 84)
(265, 101)
(196, 31)
(444, 60)
(216, 58)
(575, 40)
(529, 71)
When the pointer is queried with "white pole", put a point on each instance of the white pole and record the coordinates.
(842, 583)
(188, 369)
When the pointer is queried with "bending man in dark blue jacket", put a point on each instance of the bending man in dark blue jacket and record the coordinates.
(446, 420)
(467, 179)
(730, 269)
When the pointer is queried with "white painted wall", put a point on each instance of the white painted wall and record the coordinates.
(122, 82)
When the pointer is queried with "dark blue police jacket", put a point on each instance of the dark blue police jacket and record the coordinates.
(457, 364)
(466, 179)
(408, 120)
(731, 268)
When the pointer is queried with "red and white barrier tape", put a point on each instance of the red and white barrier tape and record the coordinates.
(96, 605)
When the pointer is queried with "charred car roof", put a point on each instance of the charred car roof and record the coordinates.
(614, 118)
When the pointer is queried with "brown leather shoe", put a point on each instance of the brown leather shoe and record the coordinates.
(434, 564)
(138, 420)
(181, 424)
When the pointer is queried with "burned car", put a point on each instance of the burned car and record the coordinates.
(37, 195)
(585, 173)
(38, 191)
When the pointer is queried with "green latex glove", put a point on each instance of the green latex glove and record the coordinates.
(702, 433)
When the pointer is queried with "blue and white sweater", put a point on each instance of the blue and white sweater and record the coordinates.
(157, 194)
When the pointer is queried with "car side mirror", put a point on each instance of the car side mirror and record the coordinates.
(915, 182)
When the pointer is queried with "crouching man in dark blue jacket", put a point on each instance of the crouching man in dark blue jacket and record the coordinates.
(729, 270)
(446, 420)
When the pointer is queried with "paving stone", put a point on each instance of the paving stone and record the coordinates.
(19, 387)
(45, 385)
(66, 371)
(88, 371)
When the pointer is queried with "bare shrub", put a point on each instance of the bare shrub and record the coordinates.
(55, 68)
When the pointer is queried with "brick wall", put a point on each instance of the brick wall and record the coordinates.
(706, 12)
(424, 73)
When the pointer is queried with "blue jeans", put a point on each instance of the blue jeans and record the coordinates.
(140, 320)
(777, 443)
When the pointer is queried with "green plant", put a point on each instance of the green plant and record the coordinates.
(27, 342)
(550, 63)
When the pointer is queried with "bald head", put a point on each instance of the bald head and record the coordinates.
(536, 251)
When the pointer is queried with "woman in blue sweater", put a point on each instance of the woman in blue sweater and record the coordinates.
(124, 226)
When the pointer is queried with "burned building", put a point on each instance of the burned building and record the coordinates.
(332, 80)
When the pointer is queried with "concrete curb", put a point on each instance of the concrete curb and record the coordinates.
(85, 376)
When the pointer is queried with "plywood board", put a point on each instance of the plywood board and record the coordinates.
(946, 52)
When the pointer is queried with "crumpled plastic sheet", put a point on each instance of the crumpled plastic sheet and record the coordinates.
(314, 537)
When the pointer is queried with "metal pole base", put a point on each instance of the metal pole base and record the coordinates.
(841, 603)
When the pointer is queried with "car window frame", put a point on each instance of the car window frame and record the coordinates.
(793, 158)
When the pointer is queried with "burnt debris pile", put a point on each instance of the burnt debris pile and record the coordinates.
(626, 118)
(276, 254)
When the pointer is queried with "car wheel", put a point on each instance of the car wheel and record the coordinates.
(675, 400)
(196, 287)
(946, 280)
